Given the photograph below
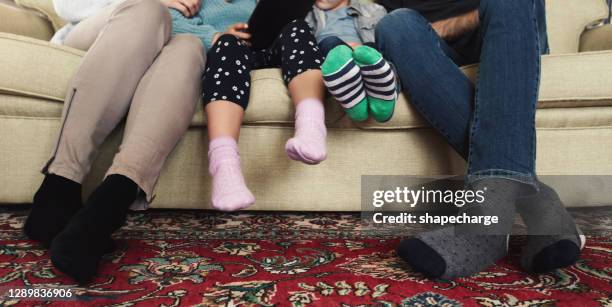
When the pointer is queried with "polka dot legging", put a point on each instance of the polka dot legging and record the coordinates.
(230, 61)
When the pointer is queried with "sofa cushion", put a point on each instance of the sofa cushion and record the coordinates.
(597, 38)
(20, 21)
(37, 69)
(44, 7)
(576, 80)
(567, 19)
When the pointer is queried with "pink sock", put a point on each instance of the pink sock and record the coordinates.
(229, 191)
(308, 144)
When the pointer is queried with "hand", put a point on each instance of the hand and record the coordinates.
(238, 30)
(354, 44)
(188, 8)
(455, 27)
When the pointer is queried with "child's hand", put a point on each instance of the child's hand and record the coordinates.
(239, 30)
(188, 8)
(354, 44)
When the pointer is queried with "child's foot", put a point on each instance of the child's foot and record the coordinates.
(379, 80)
(308, 144)
(343, 80)
(554, 240)
(229, 191)
(78, 249)
(55, 202)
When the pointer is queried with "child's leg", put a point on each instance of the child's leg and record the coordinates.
(300, 63)
(379, 81)
(329, 43)
(226, 94)
(343, 80)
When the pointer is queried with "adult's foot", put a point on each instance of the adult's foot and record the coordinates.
(466, 249)
(554, 239)
(78, 249)
(55, 203)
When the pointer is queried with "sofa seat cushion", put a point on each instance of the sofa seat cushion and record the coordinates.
(23, 21)
(41, 71)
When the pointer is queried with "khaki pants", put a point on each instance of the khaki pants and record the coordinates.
(133, 67)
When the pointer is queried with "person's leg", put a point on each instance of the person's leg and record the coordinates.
(501, 144)
(95, 105)
(226, 95)
(428, 72)
(342, 77)
(329, 43)
(554, 239)
(379, 80)
(300, 62)
(503, 131)
(162, 109)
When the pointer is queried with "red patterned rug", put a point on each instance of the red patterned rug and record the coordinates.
(185, 258)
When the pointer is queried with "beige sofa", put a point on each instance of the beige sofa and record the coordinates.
(574, 123)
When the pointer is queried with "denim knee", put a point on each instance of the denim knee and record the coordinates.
(401, 26)
(504, 9)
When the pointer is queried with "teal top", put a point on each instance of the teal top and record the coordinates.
(214, 16)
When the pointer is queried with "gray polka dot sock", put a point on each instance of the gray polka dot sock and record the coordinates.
(554, 239)
(466, 249)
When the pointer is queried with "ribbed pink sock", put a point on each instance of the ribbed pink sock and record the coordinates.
(308, 144)
(229, 191)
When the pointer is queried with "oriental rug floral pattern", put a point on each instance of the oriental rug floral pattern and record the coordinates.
(198, 258)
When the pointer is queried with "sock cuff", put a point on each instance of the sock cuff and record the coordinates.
(222, 141)
(222, 150)
(310, 107)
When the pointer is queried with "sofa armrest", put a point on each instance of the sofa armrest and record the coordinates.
(35, 68)
(576, 80)
(44, 7)
(20, 21)
(597, 39)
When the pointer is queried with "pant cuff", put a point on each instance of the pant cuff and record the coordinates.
(64, 171)
(528, 179)
(145, 183)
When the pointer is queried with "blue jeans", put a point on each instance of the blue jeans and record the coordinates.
(490, 124)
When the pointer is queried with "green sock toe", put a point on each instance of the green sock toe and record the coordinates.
(369, 58)
(365, 55)
(359, 112)
(336, 59)
(381, 110)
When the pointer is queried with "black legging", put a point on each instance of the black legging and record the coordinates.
(230, 61)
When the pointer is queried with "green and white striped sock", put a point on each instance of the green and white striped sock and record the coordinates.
(343, 79)
(379, 80)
